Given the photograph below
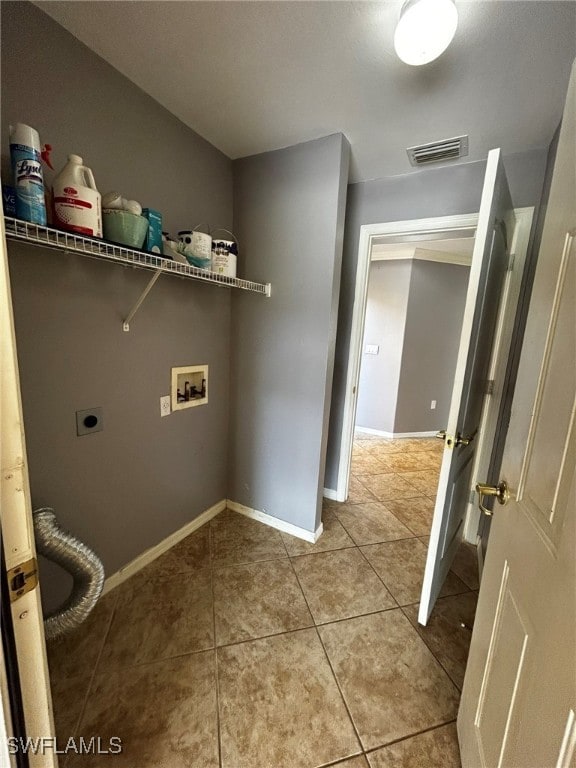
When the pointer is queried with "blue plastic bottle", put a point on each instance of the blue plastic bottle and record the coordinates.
(28, 178)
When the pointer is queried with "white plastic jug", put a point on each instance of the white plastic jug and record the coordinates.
(76, 201)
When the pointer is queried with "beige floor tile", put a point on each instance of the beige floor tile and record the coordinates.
(354, 762)
(363, 463)
(257, 599)
(409, 462)
(390, 486)
(444, 635)
(237, 539)
(358, 493)
(465, 565)
(370, 464)
(159, 619)
(426, 460)
(370, 523)
(383, 447)
(391, 682)
(333, 537)
(192, 553)
(165, 714)
(280, 706)
(434, 749)
(400, 565)
(416, 514)
(428, 444)
(76, 654)
(426, 481)
(68, 697)
(340, 584)
(418, 444)
(327, 504)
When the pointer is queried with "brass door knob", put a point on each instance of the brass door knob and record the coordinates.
(500, 491)
(461, 440)
(441, 435)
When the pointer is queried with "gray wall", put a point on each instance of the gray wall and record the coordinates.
(430, 192)
(289, 213)
(414, 312)
(143, 477)
(387, 304)
(436, 302)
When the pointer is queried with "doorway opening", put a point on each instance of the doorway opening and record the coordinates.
(385, 251)
(415, 301)
(414, 307)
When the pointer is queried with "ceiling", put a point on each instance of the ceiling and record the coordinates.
(255, 76)
(456, 250)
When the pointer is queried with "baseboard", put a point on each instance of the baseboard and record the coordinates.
(394, 435)
(151, 554)
(275, 522)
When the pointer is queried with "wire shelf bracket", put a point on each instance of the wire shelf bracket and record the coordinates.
(68, 242)
(136, 307)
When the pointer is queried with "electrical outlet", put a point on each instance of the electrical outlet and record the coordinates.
(433, 405)
(165, 405)
(371, 349)
(91, 420)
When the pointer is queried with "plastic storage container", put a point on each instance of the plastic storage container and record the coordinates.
(76, 201)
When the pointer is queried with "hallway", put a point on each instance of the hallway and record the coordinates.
(243, 647)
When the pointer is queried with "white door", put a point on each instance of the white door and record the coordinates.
(518, 703)
(487, 273)
(488, 430)
(18, 537)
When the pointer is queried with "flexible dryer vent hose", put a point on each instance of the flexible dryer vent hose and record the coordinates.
(79, 561)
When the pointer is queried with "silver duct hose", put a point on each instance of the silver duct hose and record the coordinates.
(79, 561)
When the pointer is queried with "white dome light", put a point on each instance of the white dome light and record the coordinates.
(425, 30)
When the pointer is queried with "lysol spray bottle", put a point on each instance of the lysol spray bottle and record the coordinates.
(28, 179)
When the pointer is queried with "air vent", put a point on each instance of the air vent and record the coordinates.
(438, 151)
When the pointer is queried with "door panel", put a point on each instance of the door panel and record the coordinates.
(525, 629)
(507, 662)
(457, 499)
(487, 273)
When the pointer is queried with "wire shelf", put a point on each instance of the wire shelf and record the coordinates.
(47, 237)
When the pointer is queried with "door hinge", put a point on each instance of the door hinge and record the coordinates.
(22, 578)
(490, 386)
(511, 260)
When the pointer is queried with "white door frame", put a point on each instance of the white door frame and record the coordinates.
(18, 534)
(368, 232)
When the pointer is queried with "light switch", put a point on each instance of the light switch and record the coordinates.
(371, 349)
(433, 405)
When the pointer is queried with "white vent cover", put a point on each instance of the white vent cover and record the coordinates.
(438, 151)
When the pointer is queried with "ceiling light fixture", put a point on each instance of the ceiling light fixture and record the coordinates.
(425, 30)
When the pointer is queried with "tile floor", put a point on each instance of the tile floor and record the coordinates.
(246, 648)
